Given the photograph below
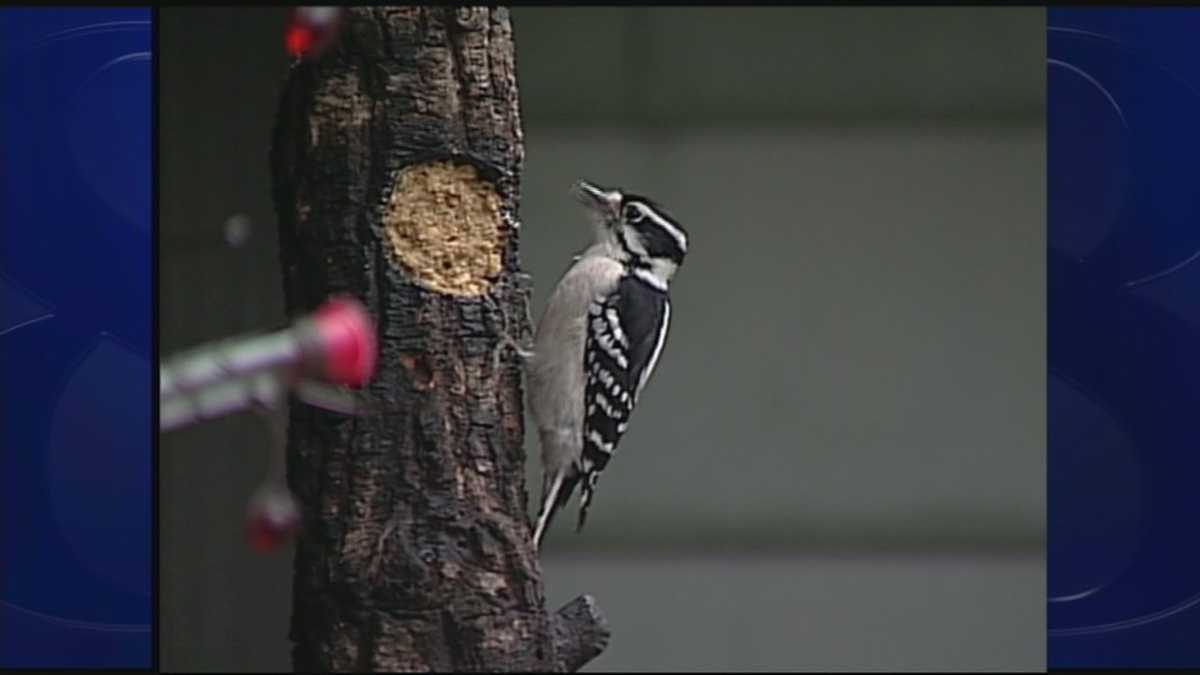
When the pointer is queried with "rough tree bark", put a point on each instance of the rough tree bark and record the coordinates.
(396, 164)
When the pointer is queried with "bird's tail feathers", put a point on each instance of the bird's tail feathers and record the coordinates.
(585, 496)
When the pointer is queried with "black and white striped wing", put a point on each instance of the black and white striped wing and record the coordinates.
(626, 332)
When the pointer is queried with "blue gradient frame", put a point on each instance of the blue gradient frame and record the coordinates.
(76, 338)
(1123, 108)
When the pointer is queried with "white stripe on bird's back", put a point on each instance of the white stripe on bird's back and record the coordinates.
(658, 346)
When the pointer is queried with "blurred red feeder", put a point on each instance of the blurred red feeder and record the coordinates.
(310, 30)
(348, 338)
(273, 519)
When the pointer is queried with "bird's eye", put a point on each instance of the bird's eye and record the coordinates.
(633, 214)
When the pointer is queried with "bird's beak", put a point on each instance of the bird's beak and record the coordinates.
(605, 202)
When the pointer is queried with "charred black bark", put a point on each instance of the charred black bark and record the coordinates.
(396, 164)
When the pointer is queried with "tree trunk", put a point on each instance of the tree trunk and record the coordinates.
(396, 164)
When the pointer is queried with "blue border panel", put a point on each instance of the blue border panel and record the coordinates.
(75, 338)
(1123, 138)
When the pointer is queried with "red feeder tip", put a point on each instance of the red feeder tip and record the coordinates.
(348, 336)
(298, 40)
(311, 29)
(273, 520)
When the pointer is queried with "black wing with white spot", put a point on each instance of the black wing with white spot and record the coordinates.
(625, 336)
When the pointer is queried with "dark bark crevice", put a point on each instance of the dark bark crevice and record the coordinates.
(416, 551)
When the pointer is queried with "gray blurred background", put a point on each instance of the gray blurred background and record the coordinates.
(840, 462)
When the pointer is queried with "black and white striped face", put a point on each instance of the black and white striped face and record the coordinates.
(639, 231)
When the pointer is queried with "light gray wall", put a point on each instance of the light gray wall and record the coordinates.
(835, 612)
(789, 66)
(840, 463)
